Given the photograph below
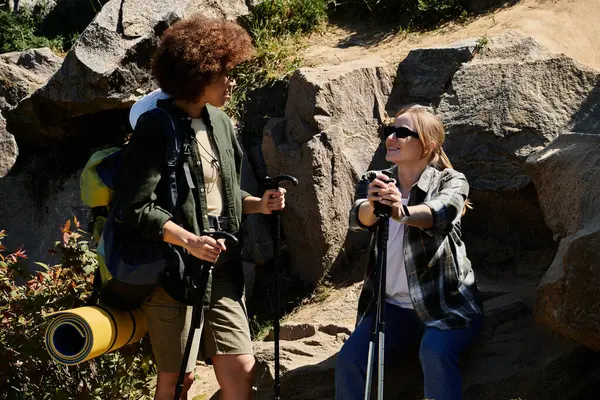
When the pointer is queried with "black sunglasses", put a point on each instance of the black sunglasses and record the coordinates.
(401, 133)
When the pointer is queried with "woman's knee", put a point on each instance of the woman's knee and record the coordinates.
(436, 353)
(188, 379)
(348, 358)
(235, 368)
(167, 382)
(245, 367)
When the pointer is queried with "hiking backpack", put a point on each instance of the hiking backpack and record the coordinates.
(127, 264)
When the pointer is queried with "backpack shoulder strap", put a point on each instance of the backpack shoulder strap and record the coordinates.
(177, 152)
(173, 150)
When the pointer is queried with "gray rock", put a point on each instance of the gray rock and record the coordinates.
(517, 358)
(425, 74)
(289, 332)
(326, 140)
(567, 175)
(21, 73)
(37, 227)
(510, 100)
(262, 104)
(108, 67)
(8, 149)
(16, 5)
(258, 241)
(506, 235)
(316, 333)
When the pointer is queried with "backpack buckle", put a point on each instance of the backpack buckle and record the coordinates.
(187, 148)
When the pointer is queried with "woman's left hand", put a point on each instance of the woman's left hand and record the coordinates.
(272, 200)
(391, 196)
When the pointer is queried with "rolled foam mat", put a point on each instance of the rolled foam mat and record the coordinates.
(78, 335)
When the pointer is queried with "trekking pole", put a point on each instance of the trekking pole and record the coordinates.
(383, 212)
(275, 183)
(196, 280)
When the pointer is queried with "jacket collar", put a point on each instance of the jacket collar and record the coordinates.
(169, 105)
(425, 180)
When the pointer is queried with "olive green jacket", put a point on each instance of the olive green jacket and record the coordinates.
(142, 184)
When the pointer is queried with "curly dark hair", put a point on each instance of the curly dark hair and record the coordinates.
(195, 51)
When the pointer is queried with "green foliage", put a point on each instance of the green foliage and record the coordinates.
(19, 31)
(274, 60)
(482, 43)
(275, 27)
(276, 18)
(27, 371)
(260, 328)
(412, 14)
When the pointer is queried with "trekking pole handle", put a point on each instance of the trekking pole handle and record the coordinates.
(276, 181)
(229, 238)
(382, 210)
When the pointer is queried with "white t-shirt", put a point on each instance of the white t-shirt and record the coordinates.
(396, 283)
(213, 183)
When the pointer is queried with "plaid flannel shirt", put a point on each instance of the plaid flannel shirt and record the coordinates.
(441, 281)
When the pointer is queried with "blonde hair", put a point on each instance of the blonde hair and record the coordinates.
(431, 134)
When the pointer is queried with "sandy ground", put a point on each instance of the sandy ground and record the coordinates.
(564, 26)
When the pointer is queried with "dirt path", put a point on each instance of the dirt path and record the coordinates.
(564, 26)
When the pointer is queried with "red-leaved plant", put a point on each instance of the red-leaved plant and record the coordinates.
(26, 296)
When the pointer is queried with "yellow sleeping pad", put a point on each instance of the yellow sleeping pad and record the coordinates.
(78, 335)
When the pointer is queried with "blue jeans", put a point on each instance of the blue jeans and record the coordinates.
(439, 354)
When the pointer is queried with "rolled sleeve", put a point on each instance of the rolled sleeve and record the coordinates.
(448, 203)
(245, 194)
(362, 190)
(143, 161)
(354, 222)
(151, 220)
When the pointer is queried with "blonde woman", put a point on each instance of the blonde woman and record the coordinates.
(431, 294)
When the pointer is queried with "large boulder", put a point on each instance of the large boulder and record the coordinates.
(501, 99)
(64, 18)
(108, 67)
(327, 140)
(21, 73)
(36, 226)
(8, 149)
(567, 175)
(425, 74)
(16, 5)
(511, 99)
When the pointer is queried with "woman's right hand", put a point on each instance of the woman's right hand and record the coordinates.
(375, 187)
(205, 248)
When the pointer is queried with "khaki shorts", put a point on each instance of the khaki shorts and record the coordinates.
(224, 327)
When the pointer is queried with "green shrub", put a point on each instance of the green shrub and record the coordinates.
(19, 31)
(275, 27)
(275, 59)
(27, 371)
(411, 14)
(276, 18)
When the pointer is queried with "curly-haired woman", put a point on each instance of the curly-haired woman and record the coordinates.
(192, 66)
